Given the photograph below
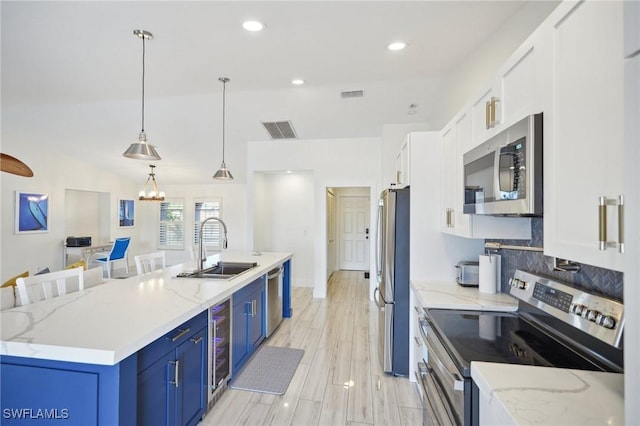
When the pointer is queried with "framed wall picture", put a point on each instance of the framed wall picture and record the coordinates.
(32, 212)
(126, 213)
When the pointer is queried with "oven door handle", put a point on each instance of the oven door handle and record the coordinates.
(428, 374)
(458, 383)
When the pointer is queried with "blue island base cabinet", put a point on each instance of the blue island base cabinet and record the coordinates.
(165, 383)
(43, 392)
(248, 329)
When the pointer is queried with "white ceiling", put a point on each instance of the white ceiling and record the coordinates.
(82, 57)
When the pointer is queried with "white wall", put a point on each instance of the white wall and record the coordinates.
(87, 214)
(433, 253)
(285, 202)
(53, 174)
(334, 163)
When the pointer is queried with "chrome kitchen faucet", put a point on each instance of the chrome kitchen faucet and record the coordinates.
(201, 257)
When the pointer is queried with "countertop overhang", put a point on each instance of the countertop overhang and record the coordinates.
(109, 322)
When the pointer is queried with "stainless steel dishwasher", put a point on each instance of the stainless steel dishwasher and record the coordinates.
(274, 299)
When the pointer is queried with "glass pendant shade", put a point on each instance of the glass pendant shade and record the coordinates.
(150, 190)
(141, 150)
(223, 173)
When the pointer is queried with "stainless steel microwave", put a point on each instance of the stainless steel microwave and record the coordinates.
(503, 176)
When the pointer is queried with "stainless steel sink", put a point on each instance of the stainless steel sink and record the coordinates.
(221, 270)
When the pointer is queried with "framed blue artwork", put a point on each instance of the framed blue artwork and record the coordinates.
(126, 213)
(32, 212)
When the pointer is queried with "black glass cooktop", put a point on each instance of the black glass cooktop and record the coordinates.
(503, 338)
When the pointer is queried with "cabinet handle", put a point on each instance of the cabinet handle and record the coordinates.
(487, 114)
(450, 218)
(418, 342)
(197, 340)
(254, 310)
(494, 100)
(176, 366)
(180, 334)
(620, 224)
(417, 310)
(603, 202)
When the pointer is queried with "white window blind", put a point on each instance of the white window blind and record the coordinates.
(212, 236)
(171, 224)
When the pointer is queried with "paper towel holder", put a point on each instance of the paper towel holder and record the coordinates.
(564, 265)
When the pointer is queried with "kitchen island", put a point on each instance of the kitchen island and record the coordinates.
(78, 354)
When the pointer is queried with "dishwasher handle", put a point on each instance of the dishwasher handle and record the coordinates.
(274, 273)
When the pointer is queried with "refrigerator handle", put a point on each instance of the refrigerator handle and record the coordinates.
(376, 292)
(379, 241)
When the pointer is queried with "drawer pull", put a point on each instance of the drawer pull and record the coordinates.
(180, 334)
(196, 341)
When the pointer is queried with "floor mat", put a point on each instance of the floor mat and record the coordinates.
(270, 370)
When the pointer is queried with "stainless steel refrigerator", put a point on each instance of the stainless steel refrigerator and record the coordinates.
(392, 293)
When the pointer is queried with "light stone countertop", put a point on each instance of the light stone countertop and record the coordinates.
(450, 295)
(109, 322)
(525, 395)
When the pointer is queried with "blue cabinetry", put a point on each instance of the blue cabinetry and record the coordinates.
(172, 376)
(248, 321)
(37, 391)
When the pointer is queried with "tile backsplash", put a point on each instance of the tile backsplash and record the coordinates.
(589, 277)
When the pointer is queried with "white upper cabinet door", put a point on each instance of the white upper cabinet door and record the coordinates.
(463, 144)
(521, 83)
(631, 28)
(448, 176)
(486, 113)
(583, 133)
(515, 93)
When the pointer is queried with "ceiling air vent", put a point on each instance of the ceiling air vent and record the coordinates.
(280, 129)
(352, 94)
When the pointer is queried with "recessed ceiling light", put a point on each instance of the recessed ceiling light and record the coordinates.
(253, 26)
(397, 45)
(297, 81)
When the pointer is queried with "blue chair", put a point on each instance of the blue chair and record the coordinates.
(119, 251)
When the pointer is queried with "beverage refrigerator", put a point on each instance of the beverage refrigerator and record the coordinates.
(392, 292)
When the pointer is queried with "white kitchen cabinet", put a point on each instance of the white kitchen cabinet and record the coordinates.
(403, 172)
(514, 93)
(583, 132)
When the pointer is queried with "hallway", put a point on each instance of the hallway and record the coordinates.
(339, 380)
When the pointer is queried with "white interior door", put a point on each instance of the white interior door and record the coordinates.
(354, 233)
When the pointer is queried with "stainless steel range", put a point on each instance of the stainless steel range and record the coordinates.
(556, 325)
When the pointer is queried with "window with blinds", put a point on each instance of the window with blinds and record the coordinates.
(171, 224)
(212, 235)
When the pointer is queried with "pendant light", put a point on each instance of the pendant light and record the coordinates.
(141, 150)
(150, 191)
(223, 173)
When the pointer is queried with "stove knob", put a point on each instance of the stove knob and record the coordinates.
(599, 318)
(585, 312)
(608, 322)
(522, 284)
(576, 308)
(592, 315)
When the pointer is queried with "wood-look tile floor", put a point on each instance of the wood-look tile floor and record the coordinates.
(340, 379)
